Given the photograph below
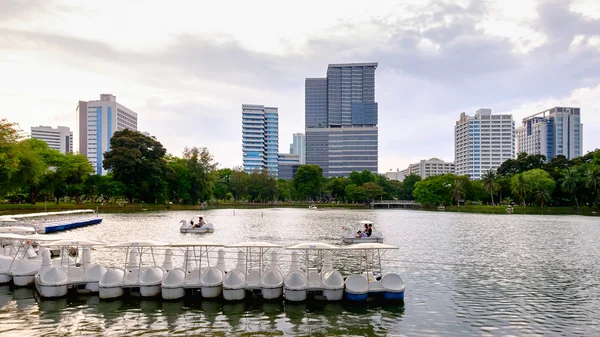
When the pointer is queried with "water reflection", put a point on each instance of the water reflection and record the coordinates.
(466, 274)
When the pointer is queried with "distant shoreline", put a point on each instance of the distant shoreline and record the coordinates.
(8, 209)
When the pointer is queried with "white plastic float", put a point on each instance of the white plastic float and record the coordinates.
(361, 286)
(135, 276)
(250, 265)
(322, 279)
(193, 274)
(83, 275)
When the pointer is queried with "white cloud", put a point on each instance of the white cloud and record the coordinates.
(186, 68)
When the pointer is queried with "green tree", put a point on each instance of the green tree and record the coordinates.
(308, 182)
(238, 183)
(32, 156)
(138, 162)
(336, 187)
(222, 184)
(261, 187)
(354, 193)
(592, 182)
(570, 182)
(539, 179)
(9, 163)
(489, 183)
(408, 187)
(523, 163)
(434, 190)
(458, 190)
(179, 180)
(541, 196)
(201, 167)
(372, 191)
(520, 187)
(284, 190)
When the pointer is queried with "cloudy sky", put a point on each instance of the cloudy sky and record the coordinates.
(187, 66)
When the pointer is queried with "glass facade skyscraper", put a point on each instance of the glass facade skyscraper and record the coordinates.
(341, 118)
(260, 138)
(298, 147)
(552, 132)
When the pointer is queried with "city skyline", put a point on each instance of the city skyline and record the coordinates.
(511, 57)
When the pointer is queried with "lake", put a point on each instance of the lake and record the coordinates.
(465, 274)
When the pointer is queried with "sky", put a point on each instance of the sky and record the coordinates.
(186, 67)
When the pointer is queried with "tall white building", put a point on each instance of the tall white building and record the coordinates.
(483, 142)
(431, 167)
(552, 132)
(260, 138)
(60, 139)
(97, 121)
(298, 147)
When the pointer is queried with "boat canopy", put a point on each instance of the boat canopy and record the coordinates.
(7, 220)
(200, 216)
(74, 243)
(37, 215)
(16, 229)
(196, 244)
(313, 246)
(147, 243)
(368, 245)
(253, 245)
(12, 236)
(366, 222)
(43, 237)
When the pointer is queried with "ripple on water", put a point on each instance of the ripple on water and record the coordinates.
(466, 274)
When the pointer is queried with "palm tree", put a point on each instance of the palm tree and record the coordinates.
(592, 181)
(458, 190)
(569, 183)
(489, 183)
(521, 187)
(541, 196)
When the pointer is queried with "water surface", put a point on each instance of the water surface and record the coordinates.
(466, 274)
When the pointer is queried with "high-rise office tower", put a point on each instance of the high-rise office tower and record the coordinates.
(97, 122)
(60, 139)
(341, 118)
(552, 132)
(482, 142)
(260, 138)
(288, 165)
(298, 147)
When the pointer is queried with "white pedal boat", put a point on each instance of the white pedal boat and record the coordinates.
(350, 235)
(250, 274)
(323, 280)
(188, 227)
(194, 274)
(55, 280)
(361, 286)
(141, 279)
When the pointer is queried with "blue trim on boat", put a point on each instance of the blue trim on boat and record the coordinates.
(393, 296)
(357, 297)
(62, 227)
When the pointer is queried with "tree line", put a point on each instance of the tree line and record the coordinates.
(141, 170)
(528, 179)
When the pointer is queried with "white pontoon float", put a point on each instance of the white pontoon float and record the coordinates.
(139, 279)
(249, 275)
(350, 235)
(55, 280)
(193, 275)
(188, 227)
(323, 281)
(361, 286)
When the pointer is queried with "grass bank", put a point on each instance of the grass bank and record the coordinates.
(551, 210)
(6, 209)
